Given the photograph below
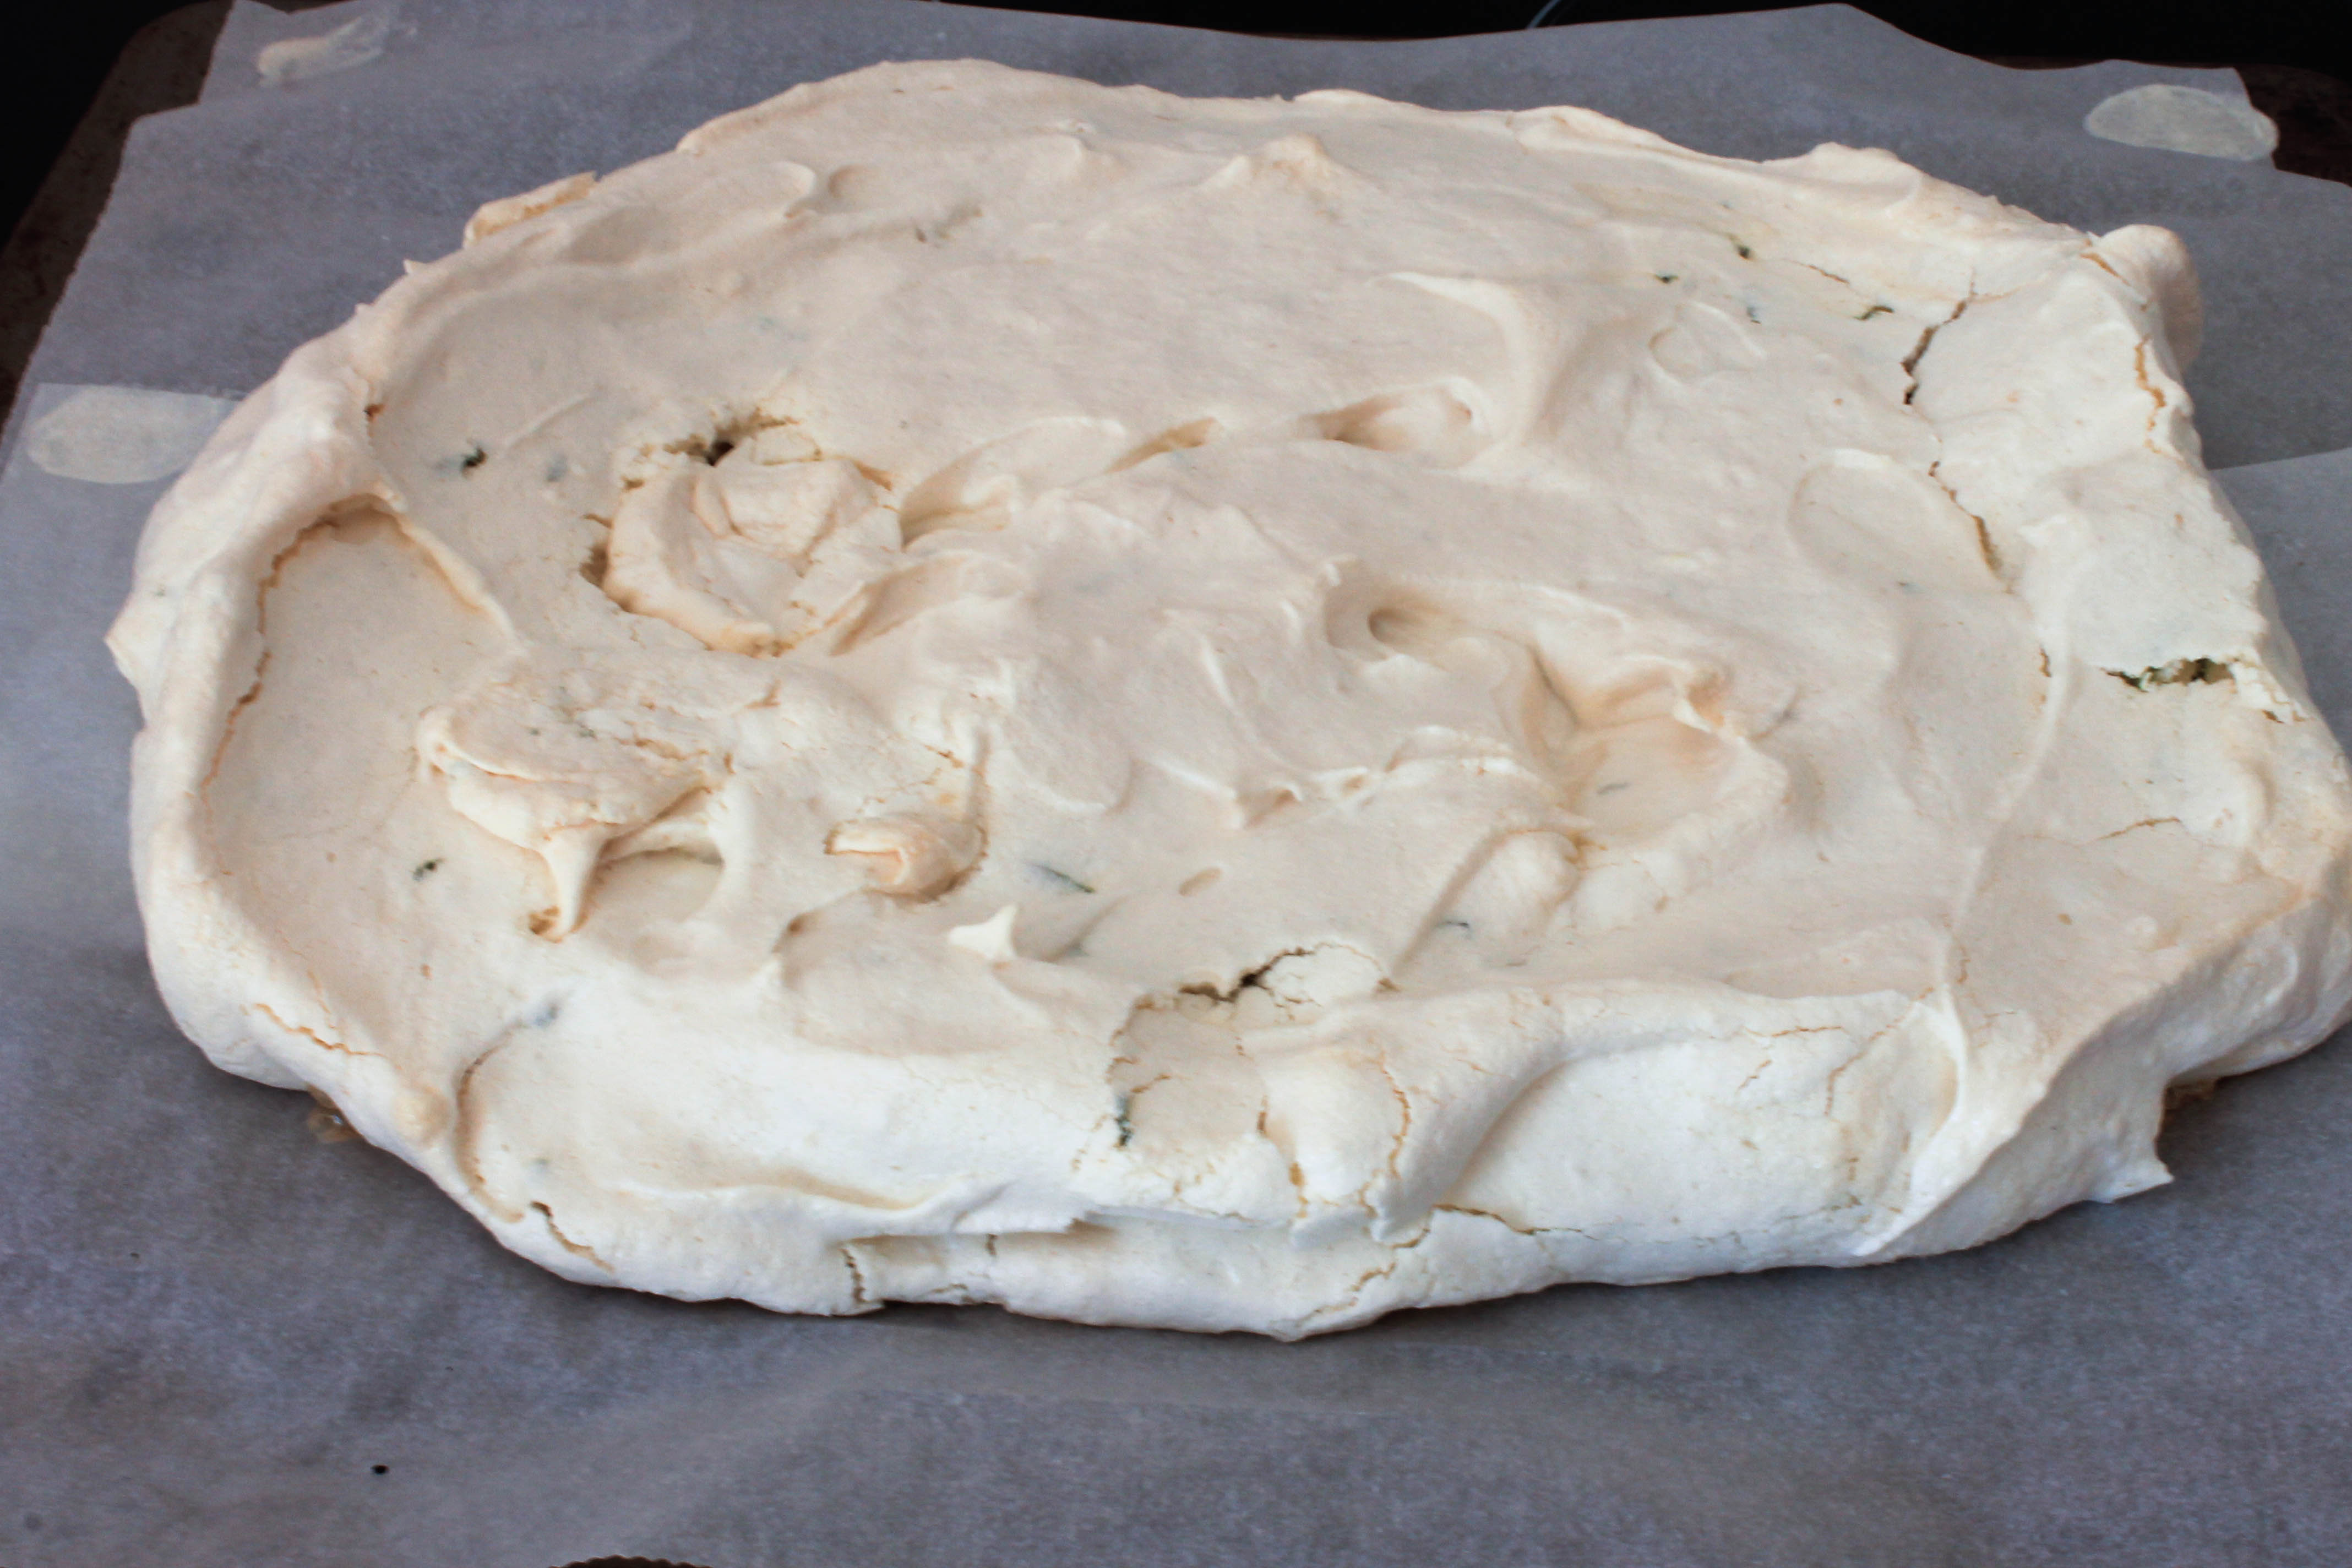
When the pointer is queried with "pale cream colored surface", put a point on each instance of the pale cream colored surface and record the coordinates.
(355, 43)
(124, 435)
(1234, 714)
(2178, 118)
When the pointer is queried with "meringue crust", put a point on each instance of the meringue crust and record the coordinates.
(1234, 714)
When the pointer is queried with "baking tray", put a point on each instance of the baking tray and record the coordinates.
(227, 1339)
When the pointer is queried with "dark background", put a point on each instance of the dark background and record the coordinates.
(81, 71)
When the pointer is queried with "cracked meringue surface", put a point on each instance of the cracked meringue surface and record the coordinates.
(1234, 714)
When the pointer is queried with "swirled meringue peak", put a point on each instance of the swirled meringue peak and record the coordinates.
(1234, 714)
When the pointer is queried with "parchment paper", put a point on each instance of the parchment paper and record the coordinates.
(224, 1342)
